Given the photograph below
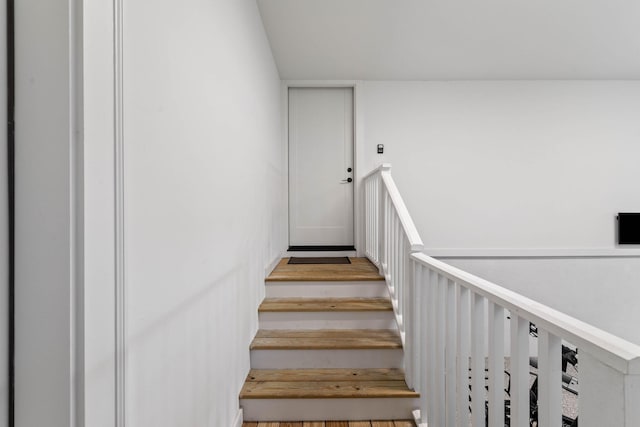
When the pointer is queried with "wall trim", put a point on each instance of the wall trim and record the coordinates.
(533, 253)
(237, 422)
(120, 258)
(77, 273)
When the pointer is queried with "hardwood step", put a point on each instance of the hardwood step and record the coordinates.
(325, 390)
(379, 374)
(329, 394)
(374, 423)
(324, 304)
(360, 269)
(326, 339)
(326, 384)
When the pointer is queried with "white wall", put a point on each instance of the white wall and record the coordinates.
(203, 207)
(47, 255)
(539, 164)
(520, 168)
(203, 213)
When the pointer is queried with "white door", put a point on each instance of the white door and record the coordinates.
(321, 167)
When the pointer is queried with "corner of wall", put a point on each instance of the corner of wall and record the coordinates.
(238, 420)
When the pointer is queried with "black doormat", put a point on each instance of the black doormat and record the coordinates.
(319, 260)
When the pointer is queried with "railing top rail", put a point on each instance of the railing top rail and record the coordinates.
(611, 350)
(382, 167)
(415, 242)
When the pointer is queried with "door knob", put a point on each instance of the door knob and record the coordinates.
(345, 181)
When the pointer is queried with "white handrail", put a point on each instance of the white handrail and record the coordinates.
(415, 242)
(383, 166)
(453, 324)
(616, 352)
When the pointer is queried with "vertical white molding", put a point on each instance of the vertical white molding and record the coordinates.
(120, 274)
(76, 209)
(358, 158)
(284, 101)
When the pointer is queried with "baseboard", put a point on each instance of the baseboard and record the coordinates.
(272, 265)
(238, 421)
(417, 417)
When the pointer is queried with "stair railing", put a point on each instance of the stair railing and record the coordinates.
(457, 330)
(390, 237)
(461, 324)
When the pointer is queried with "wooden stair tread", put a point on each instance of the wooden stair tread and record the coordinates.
(325, 390)
(395, 423)
(360, 269)
(325, 304)
(326, 333)
(291, 375)
(323, 339)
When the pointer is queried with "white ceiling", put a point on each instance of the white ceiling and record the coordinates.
(454, 39)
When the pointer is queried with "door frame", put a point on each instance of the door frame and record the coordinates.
(358, 153)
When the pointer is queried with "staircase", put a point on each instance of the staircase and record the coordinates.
(327, 348)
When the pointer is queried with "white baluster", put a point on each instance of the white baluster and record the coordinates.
(390, 231)
(383, 218)
(387, 237)
(376, 213)
(477, 361)
(397, 264)
(432, 369)
(391, 267)
(367, 222)
(450, 352)
(372, 213)
(404, 293)
(549, 379)
(370, 218)
(496, 365)
(422, 339)
(441, 327)
(463, 336)
(393, 253)
(519, 371)
(413, 334)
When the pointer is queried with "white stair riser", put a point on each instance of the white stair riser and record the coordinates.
(317, 359)
(328, 409)
(364, 289)
(328, 320)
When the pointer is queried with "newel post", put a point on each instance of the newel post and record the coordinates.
(608, 397)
